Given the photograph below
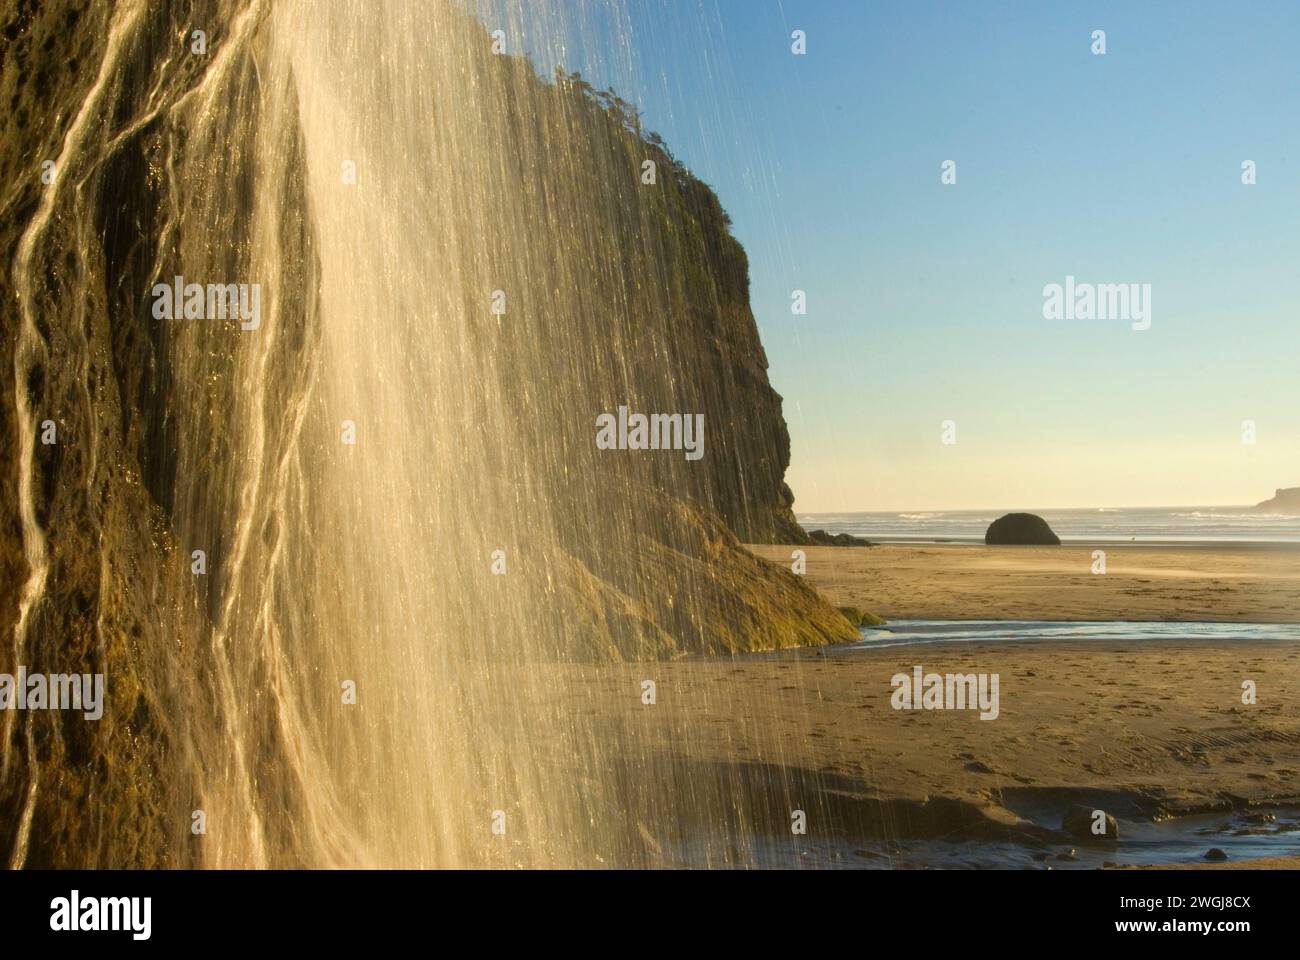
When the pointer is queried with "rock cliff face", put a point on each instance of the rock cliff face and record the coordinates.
(167, 435)
(1286, 499)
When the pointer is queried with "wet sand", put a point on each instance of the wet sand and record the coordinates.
(1154, 718)
(1144, 730)
(974, 582)
(1147, 730)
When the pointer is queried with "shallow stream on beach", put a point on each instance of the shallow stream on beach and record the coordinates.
(905, 632)
(1240, 835)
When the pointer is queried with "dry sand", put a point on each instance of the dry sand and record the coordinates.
(975, 582)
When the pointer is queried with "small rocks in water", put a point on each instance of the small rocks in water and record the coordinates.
(1021, 528)
(1071, 854)
(824, 539)
(1215, 853)
(1079, 823)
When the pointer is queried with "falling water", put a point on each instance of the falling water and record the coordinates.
(391, 473)
(364, 588)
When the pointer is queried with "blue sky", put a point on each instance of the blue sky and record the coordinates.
(925, 300)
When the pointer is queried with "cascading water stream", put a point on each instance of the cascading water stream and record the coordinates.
(344, 558)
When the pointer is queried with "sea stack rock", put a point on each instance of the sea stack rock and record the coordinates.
(1021, 528)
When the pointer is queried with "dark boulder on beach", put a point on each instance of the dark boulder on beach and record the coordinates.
(1021, 528)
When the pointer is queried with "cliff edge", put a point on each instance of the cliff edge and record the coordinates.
(1285, 499)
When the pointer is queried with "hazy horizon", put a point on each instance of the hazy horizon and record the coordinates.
(1009, 508)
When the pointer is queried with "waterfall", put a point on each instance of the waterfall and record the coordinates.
(348, 559)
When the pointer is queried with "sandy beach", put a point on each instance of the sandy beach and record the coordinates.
(1154, 732)
(1148, 731)
(1248, 583)
(1163, 720)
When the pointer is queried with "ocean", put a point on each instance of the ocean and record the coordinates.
(1092, 525)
